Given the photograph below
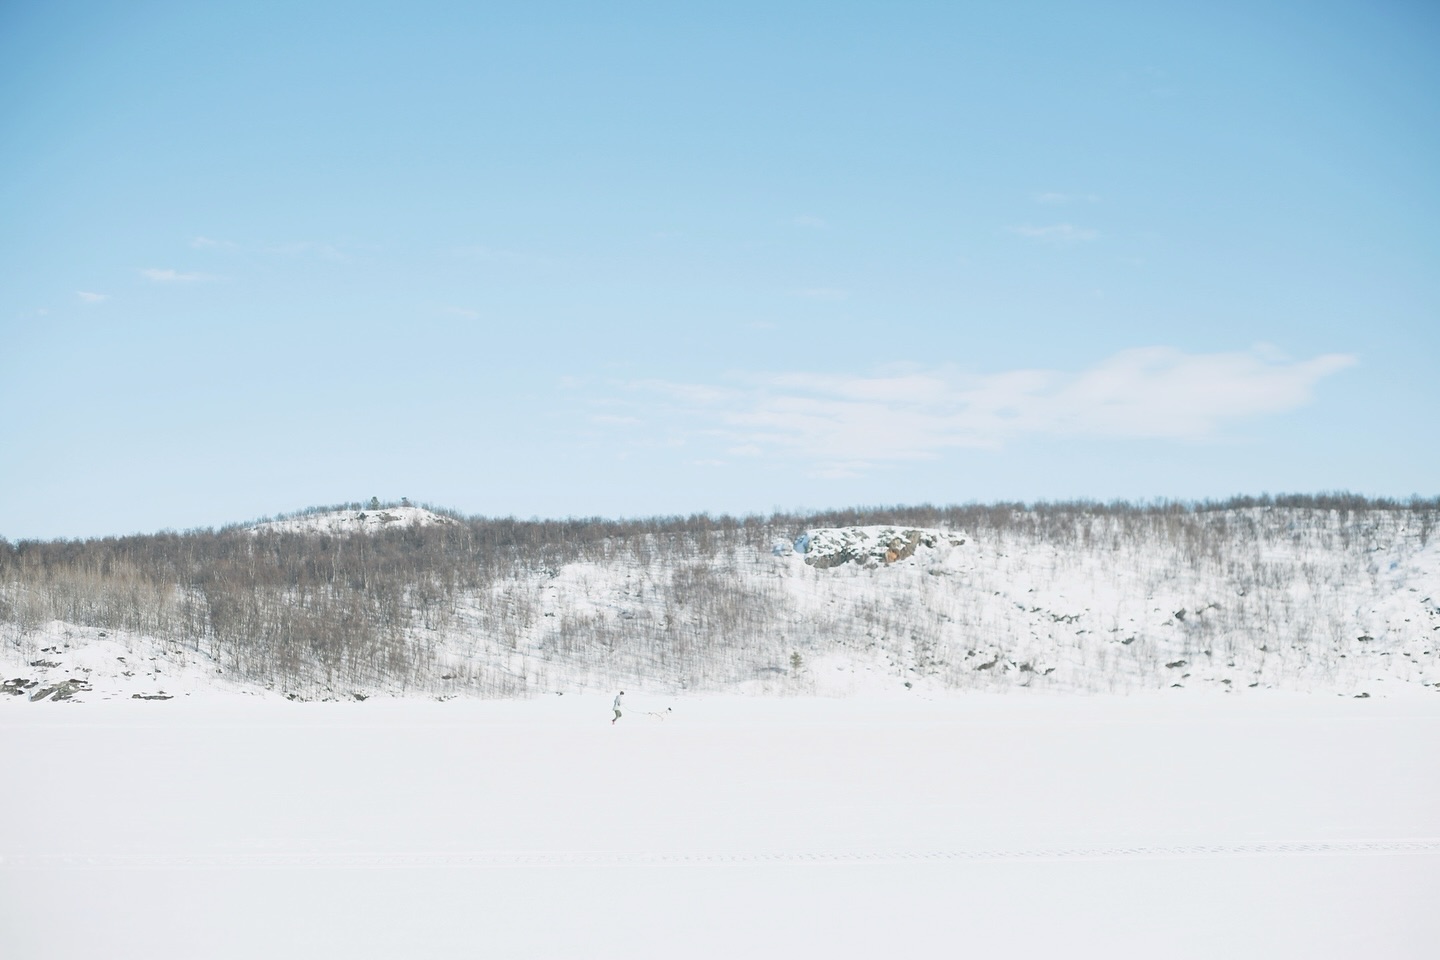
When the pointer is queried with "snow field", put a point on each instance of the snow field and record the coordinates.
(1177, 825)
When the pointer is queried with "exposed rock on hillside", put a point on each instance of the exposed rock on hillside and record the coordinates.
(867, 546)
(63, 690)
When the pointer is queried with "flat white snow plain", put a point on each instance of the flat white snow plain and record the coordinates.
(1188, 824)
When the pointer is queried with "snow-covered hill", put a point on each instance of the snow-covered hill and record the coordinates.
(355, 521)
(1232, 601)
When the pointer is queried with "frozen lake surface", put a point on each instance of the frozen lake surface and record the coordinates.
(999, 826)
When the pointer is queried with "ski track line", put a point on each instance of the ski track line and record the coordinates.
(373, 861)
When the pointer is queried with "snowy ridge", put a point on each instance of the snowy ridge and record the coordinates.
(1231, 602)
(340, 522)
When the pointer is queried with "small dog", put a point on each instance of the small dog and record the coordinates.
(659, 714)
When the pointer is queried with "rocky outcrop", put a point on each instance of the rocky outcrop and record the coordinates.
(18, 685)
(867, 546)
(63, 690)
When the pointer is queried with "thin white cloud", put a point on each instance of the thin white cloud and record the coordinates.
(165, 275)
(87, 297)
(1057, 233)
(844, 425)
(831, 294)
(310, 248)
(479, 251)
(209, 243)
(462, 312)
(487, 254)
(1056, 198)
(505, 257)
(690, 393)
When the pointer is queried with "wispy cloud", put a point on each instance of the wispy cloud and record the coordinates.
(165, 275)
(462, 312)
(483, 252)
(87, 297)
(1057, 233)
(503, 256)
(310, 248)
(822, 293)
(1054, 198)
(843, 425)
(318, 249)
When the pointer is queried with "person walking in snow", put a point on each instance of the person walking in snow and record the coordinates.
(617, 706)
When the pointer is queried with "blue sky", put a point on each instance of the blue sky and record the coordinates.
(633, 259)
